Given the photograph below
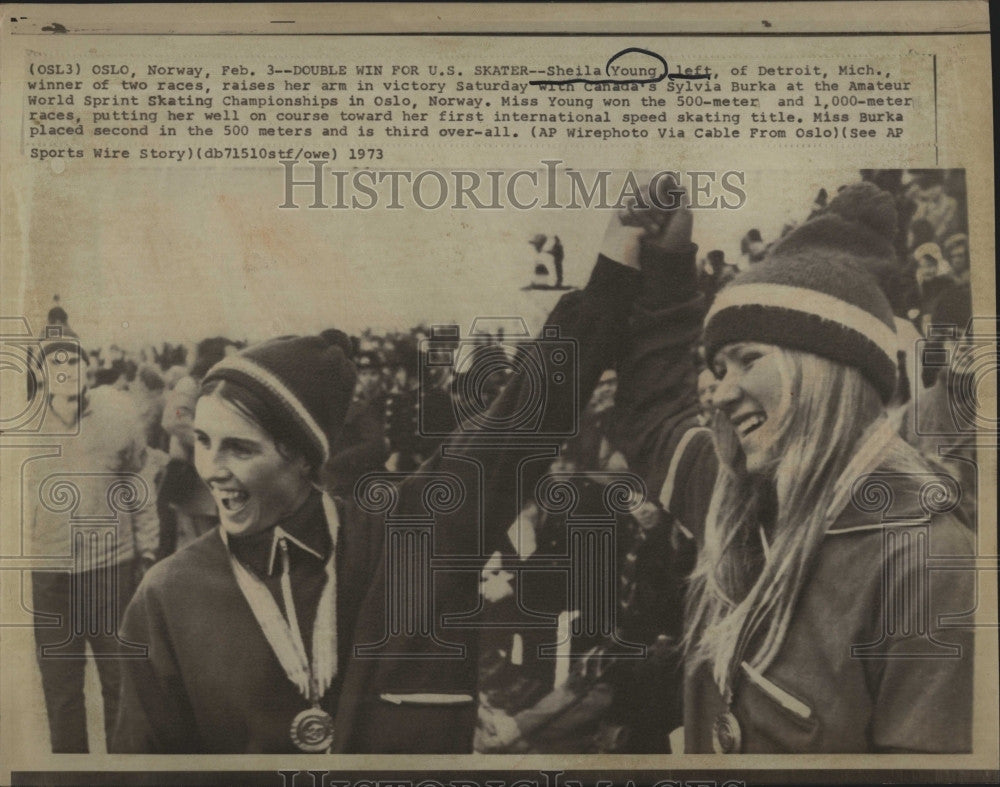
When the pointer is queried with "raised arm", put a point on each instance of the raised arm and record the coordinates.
(494, 470)
(656, 403)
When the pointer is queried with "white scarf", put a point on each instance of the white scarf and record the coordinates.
(283, 635)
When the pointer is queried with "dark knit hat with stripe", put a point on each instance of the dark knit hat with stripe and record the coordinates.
(815, 290)
(308, 379)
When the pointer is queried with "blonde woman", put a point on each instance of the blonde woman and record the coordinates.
(813, 622)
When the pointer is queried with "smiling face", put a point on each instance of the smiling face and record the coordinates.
(253, 483)
(753, 392)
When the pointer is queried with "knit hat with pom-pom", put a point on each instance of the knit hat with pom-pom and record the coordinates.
(308, 379)
(815, 290)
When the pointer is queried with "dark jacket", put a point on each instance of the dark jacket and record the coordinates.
(486, 472)
(842, 682)
(211, 683)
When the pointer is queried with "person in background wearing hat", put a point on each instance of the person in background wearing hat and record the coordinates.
(100, 447)
(360, 446)
(752, 246)
(254, 630)
(792, 556)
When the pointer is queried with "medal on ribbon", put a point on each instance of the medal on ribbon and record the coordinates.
(311, 729)
(727, 738)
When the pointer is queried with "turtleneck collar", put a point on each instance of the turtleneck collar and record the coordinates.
(305, 528)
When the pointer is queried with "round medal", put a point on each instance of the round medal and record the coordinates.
(726, 736)
(312, 730)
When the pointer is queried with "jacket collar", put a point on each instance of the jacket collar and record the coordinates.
(305, 528)
(869, 495)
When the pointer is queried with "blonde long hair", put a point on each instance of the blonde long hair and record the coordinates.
(737, 592)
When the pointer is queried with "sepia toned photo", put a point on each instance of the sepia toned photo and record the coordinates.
(466, 400)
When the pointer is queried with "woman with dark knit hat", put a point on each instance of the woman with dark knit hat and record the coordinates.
(279, 631)
(243, 629)
(813, 622)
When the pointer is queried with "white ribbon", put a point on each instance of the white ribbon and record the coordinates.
(312, 680)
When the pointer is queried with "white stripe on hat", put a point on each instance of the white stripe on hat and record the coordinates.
(240, 363)
(808, 301)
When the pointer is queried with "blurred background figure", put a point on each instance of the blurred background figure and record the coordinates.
(556, 250)
(590, 449)
(149, 395)
(956, 250)
(715, 273)
(707, 383)
(931, 203)
(752, 246)
(547, 262)
(361, 445)
(102, 444)
(540, 276)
